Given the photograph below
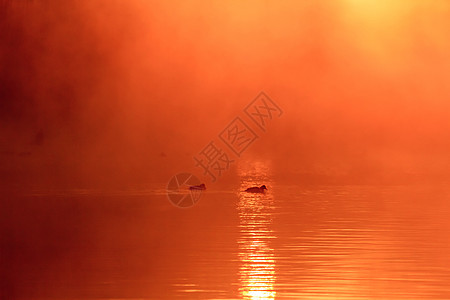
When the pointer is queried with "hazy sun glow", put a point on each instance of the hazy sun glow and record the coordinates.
(116, 97)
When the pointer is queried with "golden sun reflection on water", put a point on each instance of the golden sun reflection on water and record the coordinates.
(257, 272)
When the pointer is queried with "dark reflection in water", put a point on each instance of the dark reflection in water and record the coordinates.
(328, 242)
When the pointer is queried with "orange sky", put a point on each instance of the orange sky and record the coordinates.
(93, 92)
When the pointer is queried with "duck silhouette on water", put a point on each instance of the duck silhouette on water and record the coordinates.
(198, 187)
(256, 189)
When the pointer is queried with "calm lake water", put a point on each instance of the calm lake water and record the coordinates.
(321, 242)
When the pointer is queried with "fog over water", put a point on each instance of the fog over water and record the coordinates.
(107, 94)
(103, 101)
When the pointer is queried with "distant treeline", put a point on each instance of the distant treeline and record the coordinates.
(7, 5)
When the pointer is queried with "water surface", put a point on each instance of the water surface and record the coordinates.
(316, 242)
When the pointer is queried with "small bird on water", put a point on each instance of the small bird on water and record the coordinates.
(256, 189)
(198, 187)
